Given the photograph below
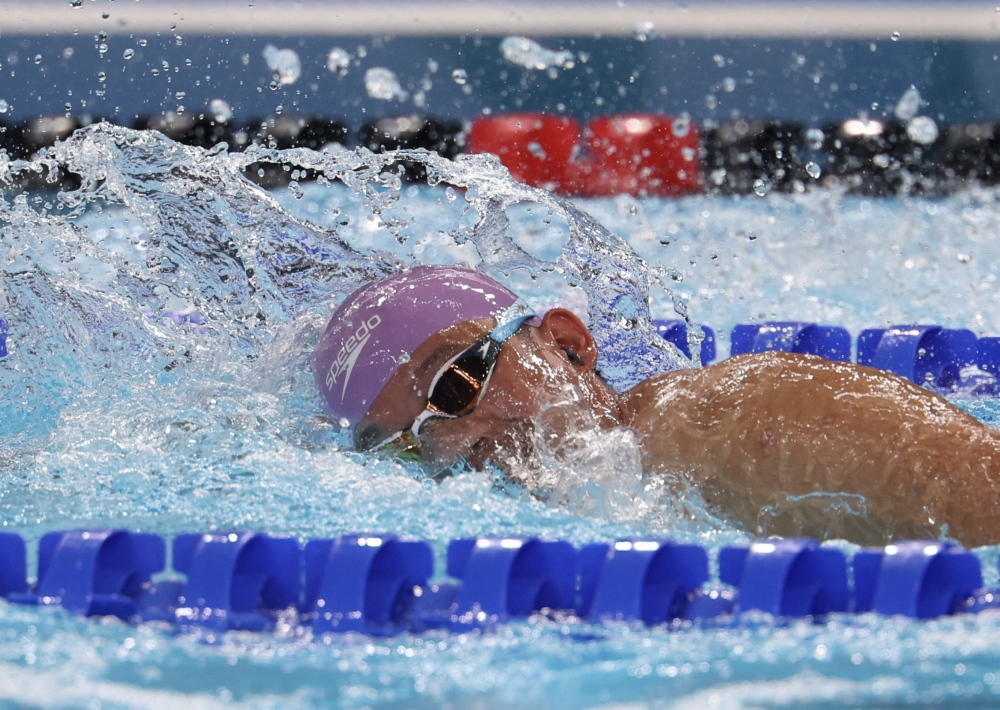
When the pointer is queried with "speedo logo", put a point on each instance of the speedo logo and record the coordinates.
(348, 355)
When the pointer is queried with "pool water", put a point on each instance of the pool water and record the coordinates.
(161, 320)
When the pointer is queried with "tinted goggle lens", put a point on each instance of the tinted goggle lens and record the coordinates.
(458, 388)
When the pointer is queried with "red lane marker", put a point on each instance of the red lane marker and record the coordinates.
(643, 154)
(535, 148)
(638, 154)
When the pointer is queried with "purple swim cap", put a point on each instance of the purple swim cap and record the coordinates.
(382, 323)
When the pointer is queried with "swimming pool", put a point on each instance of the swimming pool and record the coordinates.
(122, 409)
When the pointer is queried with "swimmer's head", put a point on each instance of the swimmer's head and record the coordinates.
(379, 326)
(459, 372)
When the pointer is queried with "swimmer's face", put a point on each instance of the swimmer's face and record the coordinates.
(532, 373)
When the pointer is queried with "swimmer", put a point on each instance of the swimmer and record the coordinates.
(446, 364)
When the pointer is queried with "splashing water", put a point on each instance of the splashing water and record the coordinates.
(195, 313)
(162, 316)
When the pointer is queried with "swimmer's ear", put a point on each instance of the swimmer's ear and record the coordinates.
(568, 332)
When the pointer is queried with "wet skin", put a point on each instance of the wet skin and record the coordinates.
(749, 432)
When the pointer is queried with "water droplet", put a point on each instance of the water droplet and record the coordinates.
(432, 66)
(344, 423)
(4, 106)
(105, 15)
(101, 36)
(963, 258)
(813, 170)
(688, 153)
(102, 49)
(729, 84)
(719, 60)
(711, 103)
(536, 149)
(221, 111)
(285, 64)
(102, 77)
(449, 193)
(908, 105)
(531, 55)
(923, 130)
(752, 236)
(338, 61)
(143, 43)
(894, 36)
(382, 83)
(180, 95)
(644, 31)
(38, 59)
(76, 3)
(681, 125)
(460, 76)
(273, 86)
(815, 137)
(128, 53)
(761, 187)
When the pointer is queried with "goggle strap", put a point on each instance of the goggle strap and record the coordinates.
(510, 320)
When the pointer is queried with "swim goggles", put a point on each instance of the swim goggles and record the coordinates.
(459, 385)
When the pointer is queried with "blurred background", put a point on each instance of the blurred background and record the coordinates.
(806, 62)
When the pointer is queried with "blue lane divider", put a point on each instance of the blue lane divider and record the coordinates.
(95, 572)
(509, 577)
(831, 342)
(651, 580)
(364, 582)
(675, 331)
(13, 564)
(380, 584)
(925, 354)
(235, 580)
(3, 338)
(786, 577)
(919, 579)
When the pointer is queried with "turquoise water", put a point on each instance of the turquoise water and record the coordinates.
(117, 410)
